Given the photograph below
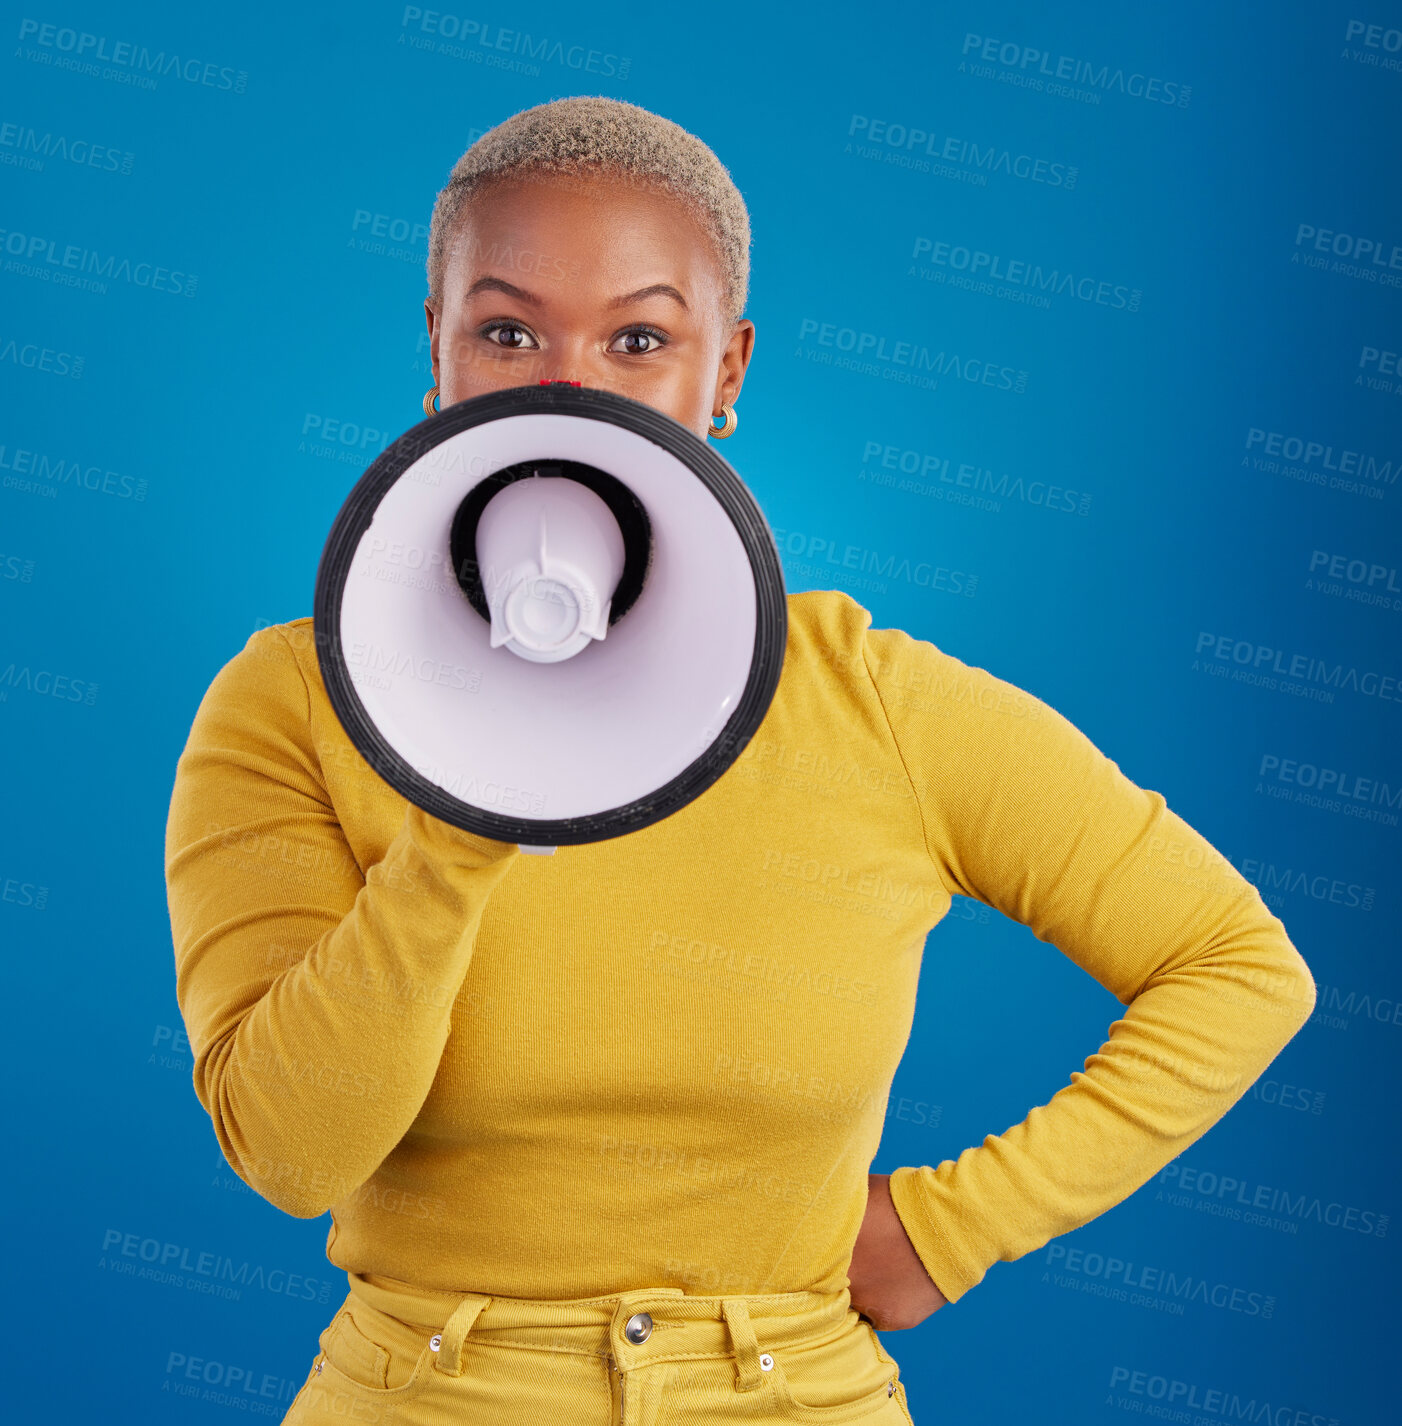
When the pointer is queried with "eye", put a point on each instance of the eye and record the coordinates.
(655, 339)
(492, 328)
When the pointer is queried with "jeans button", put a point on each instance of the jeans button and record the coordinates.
(639, 1327)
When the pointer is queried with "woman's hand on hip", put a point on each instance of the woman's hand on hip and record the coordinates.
(889, 1283)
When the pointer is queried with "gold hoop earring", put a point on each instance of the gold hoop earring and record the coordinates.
(730, 423)
(429, 408)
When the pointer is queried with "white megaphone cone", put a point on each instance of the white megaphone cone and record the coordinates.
(550, 615)
(551, 555)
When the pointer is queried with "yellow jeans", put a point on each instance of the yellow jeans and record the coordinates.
(650, 1357)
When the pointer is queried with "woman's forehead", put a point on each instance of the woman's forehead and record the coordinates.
(599, 231)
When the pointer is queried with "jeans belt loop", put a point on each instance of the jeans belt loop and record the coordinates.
(742, 1335)
(455, 1331)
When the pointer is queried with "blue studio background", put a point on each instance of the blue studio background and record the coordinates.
(1160, 491)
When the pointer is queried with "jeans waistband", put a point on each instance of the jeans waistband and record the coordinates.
(637, 1327)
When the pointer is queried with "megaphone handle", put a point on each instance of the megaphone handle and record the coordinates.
(539, 851)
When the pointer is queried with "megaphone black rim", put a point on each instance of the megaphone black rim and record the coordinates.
(771, 612)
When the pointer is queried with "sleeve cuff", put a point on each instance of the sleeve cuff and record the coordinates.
(938, 1243)
(440, 840)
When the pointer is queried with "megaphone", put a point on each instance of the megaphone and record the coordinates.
(550, 615)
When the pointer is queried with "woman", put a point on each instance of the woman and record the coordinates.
(594, 1129)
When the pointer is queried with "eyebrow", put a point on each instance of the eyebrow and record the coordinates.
(499, 284)
(658, 289)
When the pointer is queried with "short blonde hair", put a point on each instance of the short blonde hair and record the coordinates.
(587, 133)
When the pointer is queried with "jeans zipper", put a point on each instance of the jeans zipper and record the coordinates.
(622, 1383)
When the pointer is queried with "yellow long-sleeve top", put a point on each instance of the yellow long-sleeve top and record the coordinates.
(664, 1059)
